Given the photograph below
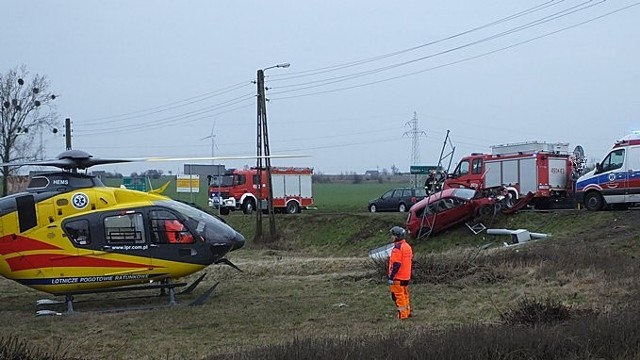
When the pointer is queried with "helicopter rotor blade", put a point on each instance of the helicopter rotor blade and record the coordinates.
(78, 159)
(159, 159)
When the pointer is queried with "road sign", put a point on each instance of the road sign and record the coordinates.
(188, 183)
(423, 169)
(136, 183)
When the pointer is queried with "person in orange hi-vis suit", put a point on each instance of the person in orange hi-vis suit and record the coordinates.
(176, 232)
(400, 271)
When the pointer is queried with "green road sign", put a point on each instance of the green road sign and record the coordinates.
(423, 169)
(138, 183)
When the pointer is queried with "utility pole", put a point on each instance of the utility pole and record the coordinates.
(263, 151)
(261, 113)
(67, 132)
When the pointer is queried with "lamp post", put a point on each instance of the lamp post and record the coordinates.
(263, 151)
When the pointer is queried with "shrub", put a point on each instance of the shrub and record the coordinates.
(533, 312)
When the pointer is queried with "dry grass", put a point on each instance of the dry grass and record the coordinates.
(287, 301)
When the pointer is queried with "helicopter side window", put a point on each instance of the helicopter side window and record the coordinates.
(167, 228)
(80, 182)
(78, 231)
(124, 229)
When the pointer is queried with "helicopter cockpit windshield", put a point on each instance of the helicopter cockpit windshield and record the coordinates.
(212, 229)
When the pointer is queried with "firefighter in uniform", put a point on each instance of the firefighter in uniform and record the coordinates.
(400, 271)
(430, 183)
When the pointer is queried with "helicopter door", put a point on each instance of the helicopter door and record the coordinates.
(169, 236)
(125, 233)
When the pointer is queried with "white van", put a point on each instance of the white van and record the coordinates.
(615, 181)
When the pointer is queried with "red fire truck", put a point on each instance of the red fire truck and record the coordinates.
(238, 190)
(544, 169)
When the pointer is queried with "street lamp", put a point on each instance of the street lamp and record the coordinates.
(283, 65)
(263, 150)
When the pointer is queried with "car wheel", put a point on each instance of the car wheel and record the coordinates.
(485, 210)
(373, 208)
(402, 207)
(593, 201)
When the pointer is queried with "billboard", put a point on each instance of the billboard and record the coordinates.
(188, 183)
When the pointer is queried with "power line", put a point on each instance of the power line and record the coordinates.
(322, 70)
(189, 115)
(173, 119)
(457, 61)
(189, 101)
(169, 106)
(342, 78)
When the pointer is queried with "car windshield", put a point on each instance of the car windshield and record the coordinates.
(466, 194)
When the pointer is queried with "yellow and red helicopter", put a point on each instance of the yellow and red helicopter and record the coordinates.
(69, 234)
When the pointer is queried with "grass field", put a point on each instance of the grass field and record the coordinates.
(327, 197)
(315, 294)
(317, 283)
(348, 197)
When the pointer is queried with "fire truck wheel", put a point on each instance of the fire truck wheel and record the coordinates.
(293, 207)
(224, 211)
(593, 201)
(248, 206)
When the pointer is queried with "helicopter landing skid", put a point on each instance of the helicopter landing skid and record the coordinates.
(164, 285)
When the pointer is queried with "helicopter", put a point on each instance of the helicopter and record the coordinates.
(69, 234)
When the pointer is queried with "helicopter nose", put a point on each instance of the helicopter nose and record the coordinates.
(238, 241)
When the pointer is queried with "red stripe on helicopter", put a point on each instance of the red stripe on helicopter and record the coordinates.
(56, 261)
(16, 243)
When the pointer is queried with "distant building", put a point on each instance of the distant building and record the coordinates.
(203, 170)
(209, 172)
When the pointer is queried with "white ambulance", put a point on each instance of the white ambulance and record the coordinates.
(615, 182)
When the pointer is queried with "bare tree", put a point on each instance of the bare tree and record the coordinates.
(26, 107)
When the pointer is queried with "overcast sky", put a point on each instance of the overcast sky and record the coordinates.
(151, 78)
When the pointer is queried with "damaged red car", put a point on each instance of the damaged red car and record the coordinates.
(445, 209)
